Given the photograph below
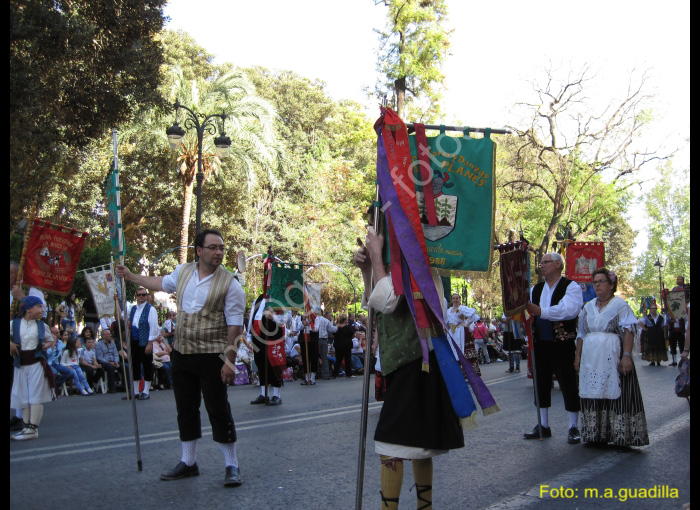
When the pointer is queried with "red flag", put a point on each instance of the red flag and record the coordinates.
(53, 253)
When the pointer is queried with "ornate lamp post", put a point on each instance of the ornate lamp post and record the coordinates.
(661, 285)
(203, 124)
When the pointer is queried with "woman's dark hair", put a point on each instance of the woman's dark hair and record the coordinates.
(609, 275)
(70, 346)
(87, 328)
(199, 240)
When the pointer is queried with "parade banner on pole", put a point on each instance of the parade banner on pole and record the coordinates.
(582, 259)
(313, 292)
(514, 277)
(53, 253)
(286, 288)
(101, 282)
(455, 190)
(675, 304)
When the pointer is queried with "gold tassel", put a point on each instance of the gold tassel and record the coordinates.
(425, 367)
(490, 410)
(417, 294)
(469, 422)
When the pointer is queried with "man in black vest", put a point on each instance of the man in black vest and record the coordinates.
(555, 305)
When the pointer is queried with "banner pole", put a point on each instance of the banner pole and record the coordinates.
(365, 379)
(126, 339)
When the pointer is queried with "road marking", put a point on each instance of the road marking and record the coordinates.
(173, 435)
(575, 477)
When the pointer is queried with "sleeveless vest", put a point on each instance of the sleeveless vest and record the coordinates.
(205, 331)
(398, 338)
(141, 331)
(553, 330)
(38, 352)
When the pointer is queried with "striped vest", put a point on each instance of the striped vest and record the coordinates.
(205, 331)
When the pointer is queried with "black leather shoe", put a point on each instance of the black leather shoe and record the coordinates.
(535, 434)
(233, 476)
(143, 396)
(574, 436)
(274, 401)
(260, 400)
(182, 470)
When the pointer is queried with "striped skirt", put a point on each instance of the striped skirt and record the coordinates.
(621, 421)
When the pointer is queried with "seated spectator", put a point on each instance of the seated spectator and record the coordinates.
(108, 357)
(161, 355)
(71, 359)
(358, 352)
(88, 362)
(168, 329)
(53, 358)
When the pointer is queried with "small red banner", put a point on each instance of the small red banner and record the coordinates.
(582, 259)
(53, 253)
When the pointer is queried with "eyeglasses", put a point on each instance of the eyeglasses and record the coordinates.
(142, 295)
(600, 282)
(214, 247)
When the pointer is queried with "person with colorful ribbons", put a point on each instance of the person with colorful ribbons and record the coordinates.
(427, 401)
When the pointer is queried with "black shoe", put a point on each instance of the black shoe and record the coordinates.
(16, 424)
(233, 475)
(535, 434)
(574, 436)
(674, 364)
(306, 383)
(509, 371)
(182, 470)
(260, 400)
(143, 396)
(274, 401)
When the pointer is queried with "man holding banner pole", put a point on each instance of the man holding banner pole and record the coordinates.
(211, 303)
(555, 305)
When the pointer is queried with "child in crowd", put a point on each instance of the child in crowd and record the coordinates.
(88, 362)
(71, 359)
(33, 380)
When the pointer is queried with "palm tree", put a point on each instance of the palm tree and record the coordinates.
(249, 124)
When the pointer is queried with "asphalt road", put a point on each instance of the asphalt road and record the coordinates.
(303, 454)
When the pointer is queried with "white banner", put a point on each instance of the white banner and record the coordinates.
(313, 292)
(101, 281)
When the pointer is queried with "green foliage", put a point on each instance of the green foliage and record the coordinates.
(668, 210)
(413, 45)
(77, 68)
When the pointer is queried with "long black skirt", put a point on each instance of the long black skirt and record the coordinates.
(417, 410)
(621, 421)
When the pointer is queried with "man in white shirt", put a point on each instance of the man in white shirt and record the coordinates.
(555, 303)
(324, 326)
(210, 303)
(143, 320)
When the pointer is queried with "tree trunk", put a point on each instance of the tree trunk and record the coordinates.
(185, 222)
(400, 86)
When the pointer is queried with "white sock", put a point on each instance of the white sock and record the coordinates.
(262, 390)
(189, 452)
(146, 387)
(275, 392)
(573, 419)
(18, 413)
(313, 376)
(229, 451)
(36, 411)
(136, 387)
(544, 416)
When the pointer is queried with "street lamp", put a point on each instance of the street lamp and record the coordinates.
(203, 124)
(661, 285)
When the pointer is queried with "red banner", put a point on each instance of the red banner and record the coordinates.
(53, 253)
(514, 277)
(582, 258)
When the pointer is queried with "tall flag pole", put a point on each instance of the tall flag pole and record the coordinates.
(116, 236)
